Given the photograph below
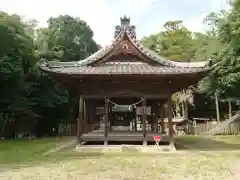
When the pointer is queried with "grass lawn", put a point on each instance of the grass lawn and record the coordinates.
(216, 143)
(189, 164)
(24, 151)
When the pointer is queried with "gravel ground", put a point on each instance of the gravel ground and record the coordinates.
(187, 166)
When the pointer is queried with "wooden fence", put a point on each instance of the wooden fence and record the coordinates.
(67, 129)
(232, 128)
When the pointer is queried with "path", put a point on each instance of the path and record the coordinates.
(61, 147)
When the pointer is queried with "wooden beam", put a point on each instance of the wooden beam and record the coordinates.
(130, 95)
(122, 89)
(106, 122)
(144, 118)
(170, 125)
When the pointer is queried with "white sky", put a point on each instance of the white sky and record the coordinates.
(103, 15)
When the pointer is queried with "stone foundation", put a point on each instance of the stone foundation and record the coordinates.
(125, 148)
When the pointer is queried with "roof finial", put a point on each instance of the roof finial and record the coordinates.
(125, 26)
(125, 21)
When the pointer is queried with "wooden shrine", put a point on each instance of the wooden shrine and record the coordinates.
(125, 74)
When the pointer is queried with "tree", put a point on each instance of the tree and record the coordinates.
(223, 81)
(176, 43)
(66, 39)
(16, 60)
(23, 88)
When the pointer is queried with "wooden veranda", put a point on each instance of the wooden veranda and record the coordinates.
(91, 128)
(124, 136)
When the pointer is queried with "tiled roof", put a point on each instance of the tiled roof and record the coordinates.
(131, 69)
(85, 66)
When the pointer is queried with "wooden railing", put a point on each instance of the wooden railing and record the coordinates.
(67, 129)
(71, 129)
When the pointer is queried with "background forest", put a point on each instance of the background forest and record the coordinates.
(28, 97)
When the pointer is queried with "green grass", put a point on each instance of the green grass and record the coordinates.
(129, 166)
(23, 151)
(26, 156)
(215, 143)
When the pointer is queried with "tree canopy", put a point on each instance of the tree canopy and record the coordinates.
(219, 44)
(23, 88)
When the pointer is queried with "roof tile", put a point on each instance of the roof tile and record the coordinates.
(124, 69)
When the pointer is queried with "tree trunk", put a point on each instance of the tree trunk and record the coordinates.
(178, 110)
(185, 115)
(229, 109)
(183, 109)
(217, 107)
(3, 127)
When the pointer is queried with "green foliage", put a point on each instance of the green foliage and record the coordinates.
(224, 77)
(66, 39)
(22, 87)
(220, 44)
(174, 43)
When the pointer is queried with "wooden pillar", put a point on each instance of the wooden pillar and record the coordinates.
(80, 119)
(135, 119)
(144, 118)
(91, 114)
(85, 116)
(170, 125)
(110, 117)
(162, 112)
(94, 116)
(156, 116)
(152, 117)
(106, 122)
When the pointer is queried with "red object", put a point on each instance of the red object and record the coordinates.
(157, 138)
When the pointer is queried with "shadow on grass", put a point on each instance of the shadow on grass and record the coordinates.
(21, 151)
(215, 143)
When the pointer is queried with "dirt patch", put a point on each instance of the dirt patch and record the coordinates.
(236, 171)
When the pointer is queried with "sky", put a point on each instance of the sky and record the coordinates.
(102, 15)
